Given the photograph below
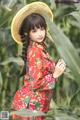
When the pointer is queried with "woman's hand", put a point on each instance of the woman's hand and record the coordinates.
(59, 69)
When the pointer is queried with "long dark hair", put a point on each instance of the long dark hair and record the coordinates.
(30, 22)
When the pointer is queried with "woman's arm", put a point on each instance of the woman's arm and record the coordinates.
(59, 68)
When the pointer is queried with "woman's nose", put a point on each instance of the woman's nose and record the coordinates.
(40, 33)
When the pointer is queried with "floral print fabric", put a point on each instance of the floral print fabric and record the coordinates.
(38, 82)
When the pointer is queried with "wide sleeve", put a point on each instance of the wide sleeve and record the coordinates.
(41, 69)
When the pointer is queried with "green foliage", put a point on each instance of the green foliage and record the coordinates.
(26, 112)
(64, 43)
(66, 50)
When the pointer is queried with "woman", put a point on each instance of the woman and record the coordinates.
(39, 69)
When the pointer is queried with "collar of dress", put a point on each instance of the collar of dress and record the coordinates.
(40, 45)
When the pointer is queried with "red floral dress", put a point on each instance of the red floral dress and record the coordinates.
(38, 82)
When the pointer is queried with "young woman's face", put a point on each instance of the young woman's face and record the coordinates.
(37, 34)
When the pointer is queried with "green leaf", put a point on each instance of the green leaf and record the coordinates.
(76, 15)
(53, 4)
(12, 59)
(63, 116)
(27, 112)
(11, 3)
(51, 86)
(66, 49)
(1, 81)
(77, 5)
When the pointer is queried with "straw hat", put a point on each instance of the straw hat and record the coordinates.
(34, 7)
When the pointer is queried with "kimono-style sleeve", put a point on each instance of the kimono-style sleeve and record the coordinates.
(40, 70)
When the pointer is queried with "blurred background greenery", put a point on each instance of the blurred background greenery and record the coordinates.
(64, 43)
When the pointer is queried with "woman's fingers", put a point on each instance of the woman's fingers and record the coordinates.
(61, 64)
(61, 61)
(60, 67)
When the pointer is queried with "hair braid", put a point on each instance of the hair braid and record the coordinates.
(25, 41)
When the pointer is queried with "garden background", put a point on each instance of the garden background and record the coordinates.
(63, 42)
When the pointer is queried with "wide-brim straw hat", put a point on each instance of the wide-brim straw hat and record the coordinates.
(34, 7)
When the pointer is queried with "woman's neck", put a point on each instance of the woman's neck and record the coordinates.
(40, 45)
(33, 42)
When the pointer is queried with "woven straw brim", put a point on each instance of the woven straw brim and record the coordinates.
(35, 7)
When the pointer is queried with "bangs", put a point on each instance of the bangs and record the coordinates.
(37, 21)
(31, 22)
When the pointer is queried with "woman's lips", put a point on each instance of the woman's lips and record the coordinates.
(40, 38)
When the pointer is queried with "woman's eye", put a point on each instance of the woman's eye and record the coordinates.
(42, 28)
(33, 30)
